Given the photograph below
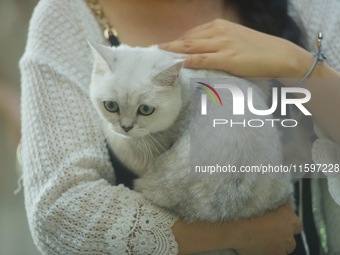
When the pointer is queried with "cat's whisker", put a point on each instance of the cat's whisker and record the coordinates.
(153, 158)
(158, 143)
(152, 142)
(169, 133)
(149, 155)
(140, 145)
(100, 140)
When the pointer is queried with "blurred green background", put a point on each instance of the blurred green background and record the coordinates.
(15, 237)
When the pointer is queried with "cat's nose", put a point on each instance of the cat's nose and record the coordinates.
(126, 129)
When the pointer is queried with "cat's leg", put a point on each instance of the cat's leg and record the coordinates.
(169, 175)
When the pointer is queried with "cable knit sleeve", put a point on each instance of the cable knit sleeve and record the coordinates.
(73, 206)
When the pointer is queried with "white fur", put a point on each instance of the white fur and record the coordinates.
(129, 84)
(158, 146)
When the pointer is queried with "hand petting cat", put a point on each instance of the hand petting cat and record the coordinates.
(247, 53)
(240, 51)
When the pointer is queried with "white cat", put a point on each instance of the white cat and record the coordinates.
(150, 115)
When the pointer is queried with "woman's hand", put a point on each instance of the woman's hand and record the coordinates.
(240, 51)
(270, 234)
(244, 52)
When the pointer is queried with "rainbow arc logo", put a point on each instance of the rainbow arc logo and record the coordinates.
(210, 91)
(213, 94)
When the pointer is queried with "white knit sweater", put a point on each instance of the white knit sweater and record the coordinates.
(72, 204)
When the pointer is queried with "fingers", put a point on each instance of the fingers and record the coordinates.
(216, 26)
(204, 53)
(205, 43)
(295, 221)
(190, 46)
(297, 226)
(201, 34)
(291, 246)
(197, 40)
(204, 60)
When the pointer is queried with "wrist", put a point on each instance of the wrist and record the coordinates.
(298, 63)
(317, 67)
(299, 67)
(323, 70)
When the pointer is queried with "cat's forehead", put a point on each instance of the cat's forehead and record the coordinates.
(131, 63)
(131, 76)
(129, 82)
(131, 91)
(137, 63)
(144, 58)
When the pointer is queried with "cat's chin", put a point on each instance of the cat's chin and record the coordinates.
(123, 135)
(131, 136)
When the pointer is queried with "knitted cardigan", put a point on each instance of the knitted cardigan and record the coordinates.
(73, 205)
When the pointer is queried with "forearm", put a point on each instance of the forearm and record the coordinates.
(253, 54)
(203, 237)
(271, 233)
(325, 102)
(324, 86)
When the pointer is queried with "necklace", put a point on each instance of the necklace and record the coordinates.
(109, 32)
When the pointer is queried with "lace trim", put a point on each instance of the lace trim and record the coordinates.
(145, 231)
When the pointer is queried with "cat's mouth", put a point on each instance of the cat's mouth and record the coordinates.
(118, 132)
(128, 135)
(132, 134)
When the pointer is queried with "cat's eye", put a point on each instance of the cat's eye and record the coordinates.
(111, 106)
(145, 110)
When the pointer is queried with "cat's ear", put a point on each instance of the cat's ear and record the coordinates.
(168, 75)
(103, 58)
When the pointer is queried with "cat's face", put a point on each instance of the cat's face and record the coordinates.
(135, 90)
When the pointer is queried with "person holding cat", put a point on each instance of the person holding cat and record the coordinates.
(73, 201)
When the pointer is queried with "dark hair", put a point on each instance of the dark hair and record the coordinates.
(271, 17)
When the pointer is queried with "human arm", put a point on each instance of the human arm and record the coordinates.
(71, 202)
(248, 53)
(269, 234)
(73, 205)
